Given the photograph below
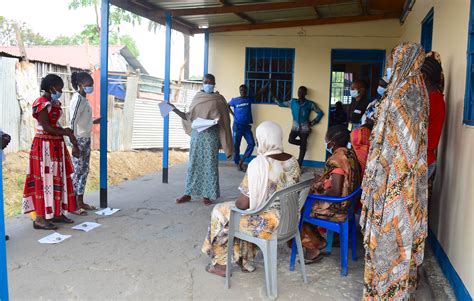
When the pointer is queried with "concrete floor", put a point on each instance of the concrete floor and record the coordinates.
(150, 250)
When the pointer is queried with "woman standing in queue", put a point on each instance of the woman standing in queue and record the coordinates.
(48, 186)
(394, 213)
(81, 123)
(203, 174)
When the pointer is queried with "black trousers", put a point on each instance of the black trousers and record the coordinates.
(302, 142)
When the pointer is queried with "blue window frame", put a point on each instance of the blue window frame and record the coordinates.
(469, 96)
(427, 31)
(265, 64)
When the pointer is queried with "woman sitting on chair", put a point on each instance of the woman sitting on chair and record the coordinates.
(271, 171)
(342, 175)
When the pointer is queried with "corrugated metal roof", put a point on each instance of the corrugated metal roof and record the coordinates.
(194, 16)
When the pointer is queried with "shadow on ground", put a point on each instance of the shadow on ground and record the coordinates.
(150, 250)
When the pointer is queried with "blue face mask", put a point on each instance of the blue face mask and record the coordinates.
(208, 88)
(354, 93)
(389, 73)
(55, 96)
(88, 90)
(380, 90)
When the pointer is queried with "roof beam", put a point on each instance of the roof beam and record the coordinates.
(245, 8)
(141, 10)
(298, 23)
(240, 15)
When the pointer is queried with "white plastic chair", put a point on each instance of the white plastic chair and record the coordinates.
(292, 200)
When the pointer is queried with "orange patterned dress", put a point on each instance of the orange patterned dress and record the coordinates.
(395, 187)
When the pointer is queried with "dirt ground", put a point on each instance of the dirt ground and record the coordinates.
(122, 166)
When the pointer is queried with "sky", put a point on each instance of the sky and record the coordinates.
(52, 18)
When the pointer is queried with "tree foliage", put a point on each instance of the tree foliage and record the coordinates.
(8, 36)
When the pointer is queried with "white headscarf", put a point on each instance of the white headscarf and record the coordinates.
(270, 142)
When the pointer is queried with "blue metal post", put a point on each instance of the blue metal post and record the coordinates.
(3, 250)
(104, 56)
(206, 52)
(166, 122)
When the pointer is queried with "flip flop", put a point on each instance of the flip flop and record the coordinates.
(207, 202)
(80, 212)
(314, 260)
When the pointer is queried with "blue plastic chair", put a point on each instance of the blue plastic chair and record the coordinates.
(345, 228)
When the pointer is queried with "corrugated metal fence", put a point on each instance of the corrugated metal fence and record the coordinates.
(10, 113)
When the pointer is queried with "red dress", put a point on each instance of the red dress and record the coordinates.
(48, 186)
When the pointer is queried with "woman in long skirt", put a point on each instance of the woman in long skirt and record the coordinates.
(48, 187)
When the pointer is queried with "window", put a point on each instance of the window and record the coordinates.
(340, 87)
(469, 96)
(265, 64)
(427, 31)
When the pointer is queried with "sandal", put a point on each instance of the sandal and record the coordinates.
(210, 269)
(87, 207)
(62, 220)
(41, 227)
(207, 202)
(183, 199)
(80, 212)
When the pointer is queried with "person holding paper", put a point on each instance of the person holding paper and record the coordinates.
(202, 179)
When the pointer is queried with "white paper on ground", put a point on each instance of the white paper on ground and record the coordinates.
(54, 238)
(165, 108)
(201, 124)
(86, 226)
(107, 211)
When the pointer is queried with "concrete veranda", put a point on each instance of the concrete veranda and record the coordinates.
(151, 250)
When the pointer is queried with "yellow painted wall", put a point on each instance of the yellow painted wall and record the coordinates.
(452, 209)
(312, 65)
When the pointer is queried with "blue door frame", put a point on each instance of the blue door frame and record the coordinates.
(3, 251)
(427, 31)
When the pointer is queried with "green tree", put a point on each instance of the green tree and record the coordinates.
(8, 36)
(117, 16)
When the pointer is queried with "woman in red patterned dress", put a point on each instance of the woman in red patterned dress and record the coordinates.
(48, 186)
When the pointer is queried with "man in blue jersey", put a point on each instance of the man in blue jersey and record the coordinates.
(241, 108)
(301, 109)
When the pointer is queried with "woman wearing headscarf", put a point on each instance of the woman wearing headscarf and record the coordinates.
(202, 179)
(271, 171)
(394, 198)
(340, 178)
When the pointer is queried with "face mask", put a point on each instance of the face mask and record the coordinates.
(354, 93)
(327, 149)
(208, 88)
(380, 90)
(389, 73)
(88, 90)
(55, 96)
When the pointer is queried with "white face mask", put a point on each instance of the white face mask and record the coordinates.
(354, 93)
(329, 150)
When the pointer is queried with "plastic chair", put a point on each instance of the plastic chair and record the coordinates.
(345, 228)
(290, 200)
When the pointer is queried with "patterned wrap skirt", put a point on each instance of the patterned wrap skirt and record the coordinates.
(202, 179)
(261, 226)
(48, 187)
